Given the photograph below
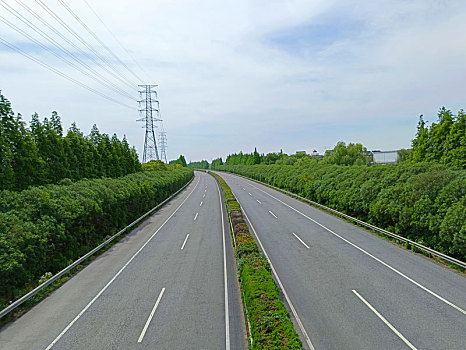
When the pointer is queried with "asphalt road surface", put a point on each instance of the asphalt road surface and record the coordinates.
(163, 286)
(349, 288)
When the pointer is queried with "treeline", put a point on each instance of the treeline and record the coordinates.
(42, 154)
(442, 142)
(45, 228)
(342, 154)
(203, 164)
(424, 202)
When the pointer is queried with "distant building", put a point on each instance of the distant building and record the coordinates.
(385, 157)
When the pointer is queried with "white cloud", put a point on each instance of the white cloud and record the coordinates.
(224, 87)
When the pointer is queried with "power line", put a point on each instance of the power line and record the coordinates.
(48, 25)
(90, 31)
(107, 83)
(116, 39)
(84, 42)
(56, 71)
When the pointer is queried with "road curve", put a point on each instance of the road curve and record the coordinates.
(161, 287)
(350, 288)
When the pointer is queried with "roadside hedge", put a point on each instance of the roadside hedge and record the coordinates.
(45, 228)
(425, 202)
(271, 327)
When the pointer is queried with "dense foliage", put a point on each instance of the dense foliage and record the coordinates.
(216, 162)
(44, 228)
(353, 154)
(424, 202)
(342, 154)
(181, 161)
(271, 327)
(41, 154)
(443, 142)
(203, 164)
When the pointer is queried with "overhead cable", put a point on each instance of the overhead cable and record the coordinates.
(56, 71)
(105, 83)
(116, 39)
(83, 41)
(85, 54)
(94, 35)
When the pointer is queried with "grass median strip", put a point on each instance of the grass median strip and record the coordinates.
(270, 323)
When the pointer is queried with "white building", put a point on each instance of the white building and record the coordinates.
(385, 157)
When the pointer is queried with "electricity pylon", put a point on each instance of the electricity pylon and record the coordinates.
(147, 105)
(162, 134)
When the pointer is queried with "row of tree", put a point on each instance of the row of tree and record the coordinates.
(41, 153)
(442, 142)
(342, 154)
(45, 228)
(203, 164)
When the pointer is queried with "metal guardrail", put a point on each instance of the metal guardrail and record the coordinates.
(36, 290)
(363, 223)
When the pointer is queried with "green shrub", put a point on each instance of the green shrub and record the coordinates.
(45, 228)
(271, 327)
(424, 202)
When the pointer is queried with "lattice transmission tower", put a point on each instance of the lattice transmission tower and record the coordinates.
(149, 110)
(162, 134)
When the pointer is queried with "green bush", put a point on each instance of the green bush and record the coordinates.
(45, 228)
(424, 202)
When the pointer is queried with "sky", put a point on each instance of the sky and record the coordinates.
(235, 75)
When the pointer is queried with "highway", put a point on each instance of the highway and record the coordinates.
(349, 288)
(168, 284)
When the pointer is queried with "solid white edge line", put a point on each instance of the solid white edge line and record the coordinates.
(293, 310)
(187, 236)
(116, 275)
(301, 240)
(227, 315)
(200, 204)
(150, 316)
(369, 254)
(195, 216)
(273, 214)
(258, 201)
(385, 321)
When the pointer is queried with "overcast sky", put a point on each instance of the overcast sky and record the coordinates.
(234, 75)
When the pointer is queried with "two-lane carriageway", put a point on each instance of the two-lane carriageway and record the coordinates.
(350, 289)
(169, 284)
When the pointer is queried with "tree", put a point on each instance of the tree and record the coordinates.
(203, 164)
(403, 155)
(41, 155)
(216, 162)
(353, 154)
(257, 158)
(443, 142)
(7, 175)
(181, 160)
